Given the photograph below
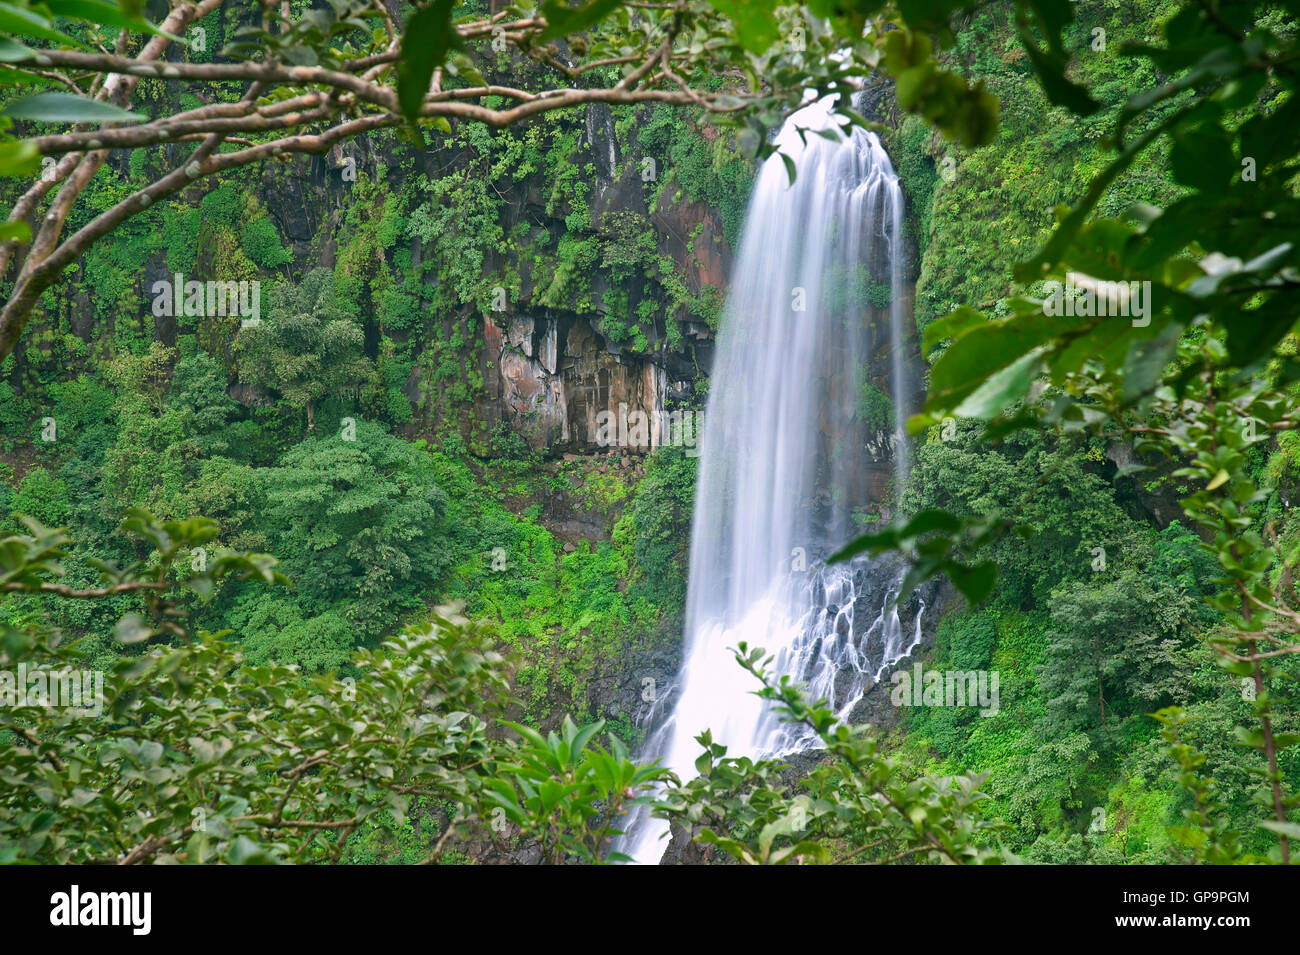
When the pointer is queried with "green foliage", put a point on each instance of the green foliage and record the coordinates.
(1063, 508)
(1201, 373)
(458, 222)
(570, 791)
(708, 170)
(43, 496)
(661, 513)
(916, 174)
(399, 310)
(276, 633)
(374, 528)
(221, 206)
(14, 415)
(875, 407)
(259, 239)
(215, 758)
(966, 113)
(306, 347)
(198, 389)
(977, 211)
(969, 640)
(180, 236)
(1113, 646)
(429, 37)
(145, 464)
(1205, 835)
(858, 805)
(358, 522)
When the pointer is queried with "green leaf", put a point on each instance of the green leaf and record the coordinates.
(956, 322)
(584, 736)
(68, 108)
(244, 851)
(131, 629)
(1253, 333)
(1249, 736)
(9, 76)
(975, 582)
(755, 20)
(1002, 389)
(884, 540)
(1051, 73)
(930, 14)
(11, 51)
(1289, 829)
(790, 169)
(24, 22)
(563, 20)
(1202, 160)
(911, 84)
(18, 159)
(931, 519)
(984, 349)
(1051, 18)
(429, 37)
(105, 14)
(1147, 358)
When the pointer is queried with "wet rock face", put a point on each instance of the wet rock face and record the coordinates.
(877, 104)
(556, 377)
(548, 373)
(707, 257)
(1161, 505)
(558, 383)
(634, 685)
(938, 599)
(602, 140)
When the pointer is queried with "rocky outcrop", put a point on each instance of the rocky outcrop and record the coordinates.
(549, 372)
(558, 383)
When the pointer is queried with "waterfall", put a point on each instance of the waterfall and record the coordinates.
(795, 428)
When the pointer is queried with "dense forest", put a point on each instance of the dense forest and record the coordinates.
(364, 574)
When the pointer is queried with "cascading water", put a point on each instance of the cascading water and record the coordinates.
(793, 422)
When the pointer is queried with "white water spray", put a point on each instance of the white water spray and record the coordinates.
(793, 422)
